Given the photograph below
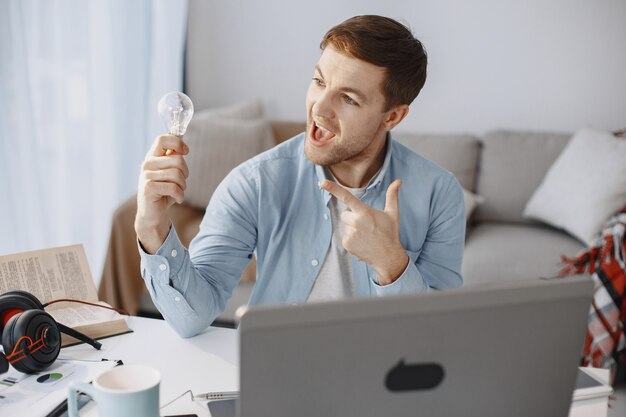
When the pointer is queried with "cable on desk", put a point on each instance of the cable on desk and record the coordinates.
(180, 396)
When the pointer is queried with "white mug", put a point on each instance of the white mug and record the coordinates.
(124, 391)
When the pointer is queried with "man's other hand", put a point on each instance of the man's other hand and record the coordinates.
(373, 236)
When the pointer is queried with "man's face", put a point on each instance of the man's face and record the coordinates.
(345, 107)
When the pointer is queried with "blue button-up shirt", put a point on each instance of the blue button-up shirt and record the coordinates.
(272, 206)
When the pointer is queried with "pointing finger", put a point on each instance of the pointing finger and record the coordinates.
(391, 203)
(349, 217)
(344, 196)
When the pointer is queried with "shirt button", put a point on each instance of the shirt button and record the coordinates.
(325, 216)
(174, 253)
(162, 267)
(314, 262)
(176, 299)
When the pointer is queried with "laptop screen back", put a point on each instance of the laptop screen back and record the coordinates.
(508, 349)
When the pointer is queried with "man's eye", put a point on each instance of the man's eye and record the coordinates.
(349, 100)
(318, 82)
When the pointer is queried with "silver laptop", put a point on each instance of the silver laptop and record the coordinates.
(509, 349)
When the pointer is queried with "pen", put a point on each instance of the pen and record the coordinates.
(225, 395)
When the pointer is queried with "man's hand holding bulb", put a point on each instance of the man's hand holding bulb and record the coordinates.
(163, 177)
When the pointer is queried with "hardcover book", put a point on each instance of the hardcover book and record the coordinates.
(62, 273)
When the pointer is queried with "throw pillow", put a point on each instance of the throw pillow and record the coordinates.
(216, 146)
(585, 185)
(471, 201)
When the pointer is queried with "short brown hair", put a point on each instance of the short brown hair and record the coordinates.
(386, 43)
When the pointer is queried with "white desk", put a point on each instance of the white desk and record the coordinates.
(207, 362)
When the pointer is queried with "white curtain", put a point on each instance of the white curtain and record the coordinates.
(79, 85)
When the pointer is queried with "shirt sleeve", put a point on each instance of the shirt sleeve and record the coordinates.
(161, 273)
(191, 287)
(409, 282)
(438, 264)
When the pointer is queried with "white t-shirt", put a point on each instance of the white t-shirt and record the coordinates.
(335, 280)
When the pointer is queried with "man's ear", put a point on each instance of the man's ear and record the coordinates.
(394, 116)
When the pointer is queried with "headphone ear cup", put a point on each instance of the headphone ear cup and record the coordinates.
(35, 324)
(20, 300)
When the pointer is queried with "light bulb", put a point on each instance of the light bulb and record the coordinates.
(176, 110)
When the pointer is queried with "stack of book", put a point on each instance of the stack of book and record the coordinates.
(591, 395)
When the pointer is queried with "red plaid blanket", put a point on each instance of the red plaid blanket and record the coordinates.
(605, 344)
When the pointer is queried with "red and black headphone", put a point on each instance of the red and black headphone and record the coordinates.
(31, 338)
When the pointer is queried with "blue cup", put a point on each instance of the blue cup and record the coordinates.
(124, 391)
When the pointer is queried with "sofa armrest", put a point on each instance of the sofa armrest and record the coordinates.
(121, 284)
(284, 130)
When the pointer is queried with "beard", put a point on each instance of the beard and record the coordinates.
(335, 151)
(328, 157)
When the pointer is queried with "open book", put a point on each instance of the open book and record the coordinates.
(52, 274)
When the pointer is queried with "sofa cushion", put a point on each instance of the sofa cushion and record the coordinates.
(512, 251)
(584, 187)
(513, 164)
(456, 153)
(216, 146)
(471, 201)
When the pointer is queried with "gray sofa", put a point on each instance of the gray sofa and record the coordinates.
(503, 167)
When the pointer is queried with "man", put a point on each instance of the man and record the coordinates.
(322, 212)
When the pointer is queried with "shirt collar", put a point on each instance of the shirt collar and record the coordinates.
(375, 182)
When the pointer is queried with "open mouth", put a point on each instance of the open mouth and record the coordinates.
(320, 135)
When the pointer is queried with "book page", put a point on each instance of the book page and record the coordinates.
(49, 274)
(84, 315)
